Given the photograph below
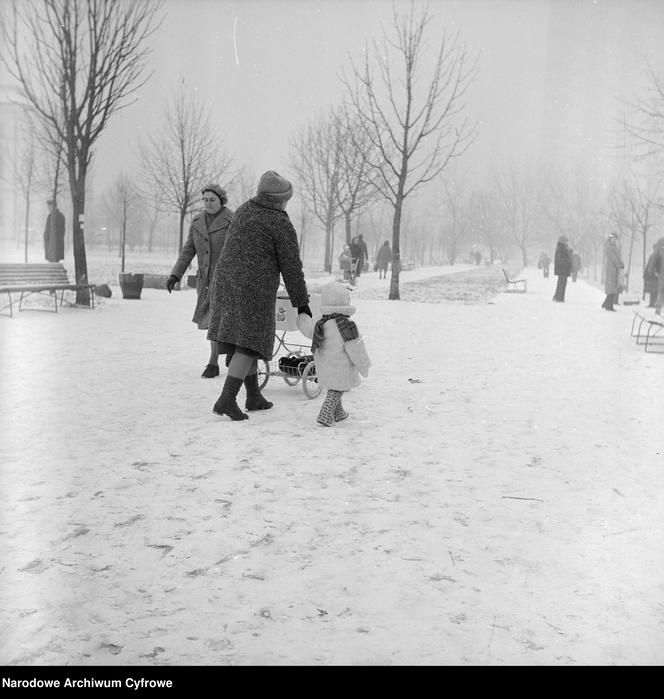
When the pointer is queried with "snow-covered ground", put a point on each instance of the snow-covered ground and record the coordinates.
(496, 496)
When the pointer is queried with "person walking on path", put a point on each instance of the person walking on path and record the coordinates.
(54, 233)
(345, 260)
(383, 259)
(562, 266)
(359, 253)
(207, 234)
(613, 265)
(338, 348)
(659, 267)
(543, 263)
(651, 277)
(261, 245)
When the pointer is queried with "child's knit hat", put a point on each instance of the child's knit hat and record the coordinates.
(335, 298)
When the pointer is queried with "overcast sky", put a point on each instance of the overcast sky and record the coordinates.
(267, 66)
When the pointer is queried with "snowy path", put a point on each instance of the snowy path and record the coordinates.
(495, 497)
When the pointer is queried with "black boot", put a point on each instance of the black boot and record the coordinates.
(210, 371)
(226, 404)
(255, 400)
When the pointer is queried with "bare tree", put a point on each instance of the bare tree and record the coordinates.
(24, 171)
(315, 156)
(77, 62)
(123, 205)
(519, 190)
(644, 127)
(183, 156)
(635, 207)
(413, 134)
(456, 206)
(354, 188)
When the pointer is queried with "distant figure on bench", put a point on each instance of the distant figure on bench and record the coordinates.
(54, 233)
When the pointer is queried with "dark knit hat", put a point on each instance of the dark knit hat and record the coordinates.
(216, 189)
(275, 185)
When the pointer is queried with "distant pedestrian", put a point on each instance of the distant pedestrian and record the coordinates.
(562, 266)
(543, 263)
(576, 264)
(207, 234)
(659, 266)
(651, 277)
(359, 253)
(613, 265)
(345, 260)
(478, 257)
(54, 233)
(383, 259)
(261, 245)
(338, 349)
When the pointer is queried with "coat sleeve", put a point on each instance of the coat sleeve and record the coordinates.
(290, 264)
(186, 256)
(357, 353)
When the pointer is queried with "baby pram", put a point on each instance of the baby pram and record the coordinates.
(292, 361)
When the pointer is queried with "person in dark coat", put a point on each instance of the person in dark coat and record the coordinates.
(562, 266)
(383, 259)
(261, 245)
(207, 234)
(613, 265)
(359, 253)
(651, 276)
(54, 233)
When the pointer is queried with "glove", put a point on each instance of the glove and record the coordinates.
(171, 282)
(305, 309)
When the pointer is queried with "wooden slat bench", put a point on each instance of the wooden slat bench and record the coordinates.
(32, 278)
(654, 325)
(520, 285)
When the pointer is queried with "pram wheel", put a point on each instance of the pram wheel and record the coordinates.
(310, 384)
(263, 373)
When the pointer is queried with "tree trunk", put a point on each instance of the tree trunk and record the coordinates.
(27, 219)
(396, 254)
(329, 229)
(183, 213)
(78, 240)
(348, 233)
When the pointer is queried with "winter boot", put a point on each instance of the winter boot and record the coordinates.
(339, 413)
(210, 371)
(226, 404)
(255, 400)
(328, 409)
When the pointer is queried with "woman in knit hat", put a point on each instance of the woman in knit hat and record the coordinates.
(338, 349)
(207, 234)
(260, 246)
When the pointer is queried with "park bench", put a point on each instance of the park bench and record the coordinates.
(518, 285)
(26, 279)
(653, 327)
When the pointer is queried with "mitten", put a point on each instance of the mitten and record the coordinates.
(305, 309)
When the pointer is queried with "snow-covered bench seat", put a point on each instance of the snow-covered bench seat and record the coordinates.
(32, 278)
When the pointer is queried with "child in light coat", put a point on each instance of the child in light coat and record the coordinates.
(338, 349)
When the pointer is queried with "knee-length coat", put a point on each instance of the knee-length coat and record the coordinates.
(205, 244)
(261, 244)
(613, 265)
(562, 260)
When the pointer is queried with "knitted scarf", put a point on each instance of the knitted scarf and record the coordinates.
(345, 325)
